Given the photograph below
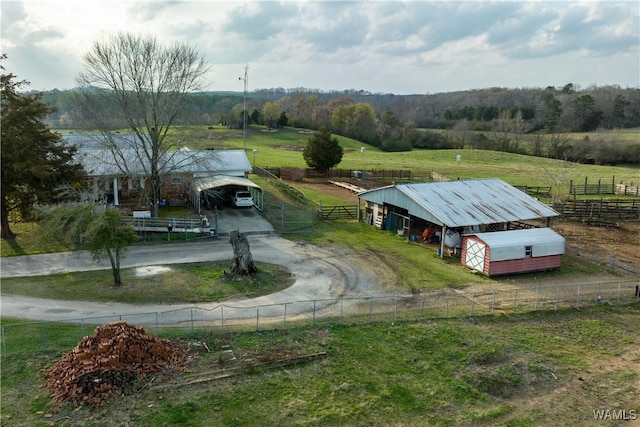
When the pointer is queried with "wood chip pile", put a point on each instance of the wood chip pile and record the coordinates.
(110, 363)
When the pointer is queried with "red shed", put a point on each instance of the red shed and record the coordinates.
(515, 251)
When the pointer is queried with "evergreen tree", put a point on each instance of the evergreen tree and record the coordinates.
(35, 161)
(322, 151)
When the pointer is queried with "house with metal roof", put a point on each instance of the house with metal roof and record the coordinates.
(443, 212)
(188, 174)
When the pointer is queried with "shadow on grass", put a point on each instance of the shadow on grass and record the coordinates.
(15, 247)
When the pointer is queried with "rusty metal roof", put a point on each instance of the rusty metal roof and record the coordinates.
(462, 203)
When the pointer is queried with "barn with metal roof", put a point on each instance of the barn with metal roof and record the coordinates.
(445, 211)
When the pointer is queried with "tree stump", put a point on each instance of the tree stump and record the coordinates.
(242, 258)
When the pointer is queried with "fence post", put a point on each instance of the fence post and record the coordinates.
(422, 308)
(515, 300)
(619, 293)
(395, 311)
(4, 342)
(284, 319)
(192, 321)
(257, 319)
(446, 307)
(222, 318)
(537, 294)
(585, 185)
(493, 300)
(44, 337)
(157, 325)
(473, 300)
(341, 308)
(314, 312)
(370, 307)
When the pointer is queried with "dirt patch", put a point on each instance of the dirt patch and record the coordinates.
(606, 246)
(345, 194)
(605, 383)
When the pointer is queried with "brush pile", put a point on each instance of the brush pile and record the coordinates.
(114, 361)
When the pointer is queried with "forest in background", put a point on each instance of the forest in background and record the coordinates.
(532, 121)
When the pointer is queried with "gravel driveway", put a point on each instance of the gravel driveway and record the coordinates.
(320, 274)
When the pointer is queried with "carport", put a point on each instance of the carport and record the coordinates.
(216, 182)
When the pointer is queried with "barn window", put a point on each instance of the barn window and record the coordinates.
(528, 250)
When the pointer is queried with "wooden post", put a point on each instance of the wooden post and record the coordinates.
(571, 189)
(585, 185)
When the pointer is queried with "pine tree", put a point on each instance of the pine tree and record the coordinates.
(35, 160)
(322, 151)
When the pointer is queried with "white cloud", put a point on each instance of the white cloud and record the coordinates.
(382, 46)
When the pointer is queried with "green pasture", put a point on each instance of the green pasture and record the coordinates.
(536, 369)
(283, 147)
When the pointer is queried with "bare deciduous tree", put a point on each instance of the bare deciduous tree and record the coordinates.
(148, 85)
(557, 173)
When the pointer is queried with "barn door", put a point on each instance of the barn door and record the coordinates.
(475, 254)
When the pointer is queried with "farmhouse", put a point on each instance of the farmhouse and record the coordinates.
(190, 178)
(450, 213)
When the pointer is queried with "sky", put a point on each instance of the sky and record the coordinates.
(412, 47)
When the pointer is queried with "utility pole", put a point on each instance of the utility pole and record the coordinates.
(244, 106)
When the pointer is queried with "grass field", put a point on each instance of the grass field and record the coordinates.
(283, 147)
(537, 369)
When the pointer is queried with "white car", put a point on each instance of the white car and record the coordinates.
(242, 199)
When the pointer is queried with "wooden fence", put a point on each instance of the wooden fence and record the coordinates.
(338, 212)
(535, 191)
(603, 188)
(607, 210)
(298, 174)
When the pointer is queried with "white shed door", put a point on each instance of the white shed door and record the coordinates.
(475, 254)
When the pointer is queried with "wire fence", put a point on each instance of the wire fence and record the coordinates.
(46, 336)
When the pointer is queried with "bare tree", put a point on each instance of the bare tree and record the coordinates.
(146, 86)
(557, 173)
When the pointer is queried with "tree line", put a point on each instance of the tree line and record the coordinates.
(500, 118)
